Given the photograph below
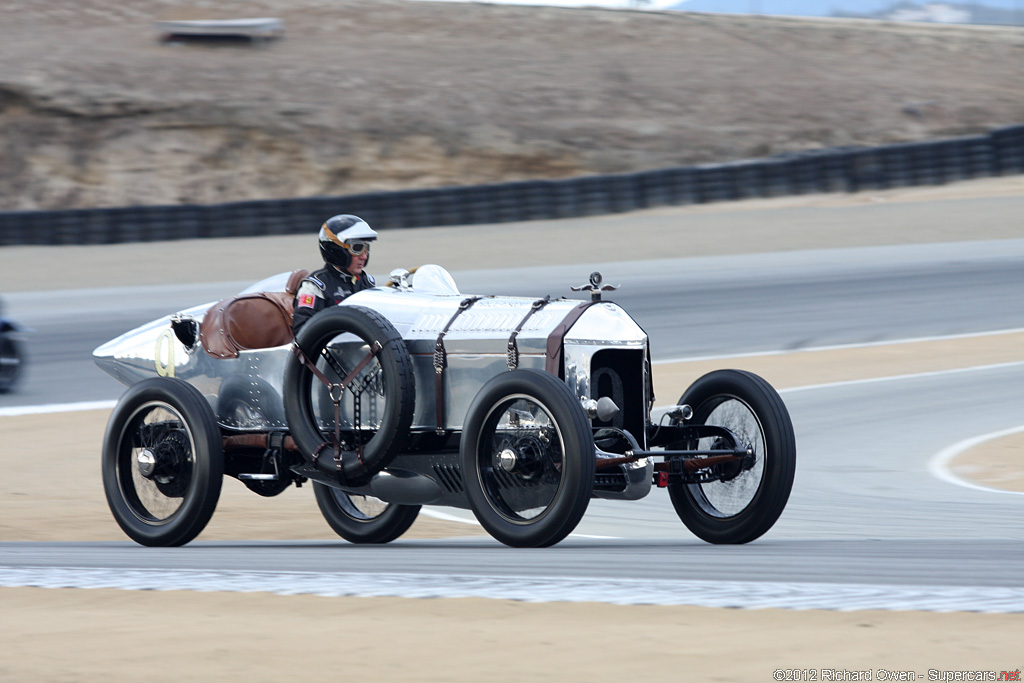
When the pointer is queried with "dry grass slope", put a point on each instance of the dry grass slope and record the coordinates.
(384, 94)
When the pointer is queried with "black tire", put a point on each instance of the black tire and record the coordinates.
(363, 519)
(543, 497)
(169, 500)
(745, 506)
(12, 360)
(386, 384)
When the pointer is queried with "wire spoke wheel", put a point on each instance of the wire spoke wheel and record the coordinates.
(155, 464)
(735, 503)
(520, 459)
(363, 508)
(363, 519)
(162, 462)
(735, 488)
(527, 458)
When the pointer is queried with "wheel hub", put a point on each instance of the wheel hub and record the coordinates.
(146, 460)
(167, 464)
(730, 471)
(524, 456)
(507, 459)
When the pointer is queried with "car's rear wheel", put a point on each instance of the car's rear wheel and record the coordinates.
(162, 462)
(363, 519)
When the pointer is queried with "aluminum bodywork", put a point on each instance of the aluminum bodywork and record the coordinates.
(604, 353)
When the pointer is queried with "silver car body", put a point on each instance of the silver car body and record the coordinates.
(604, 346)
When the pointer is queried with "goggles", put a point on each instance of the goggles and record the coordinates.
(357, 247)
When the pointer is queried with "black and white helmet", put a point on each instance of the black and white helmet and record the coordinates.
(343, 237)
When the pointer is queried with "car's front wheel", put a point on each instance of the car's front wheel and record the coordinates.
(734, 505)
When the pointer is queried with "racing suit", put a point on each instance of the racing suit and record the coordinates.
(326, 287)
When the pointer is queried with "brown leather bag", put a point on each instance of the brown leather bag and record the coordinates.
(250, 321)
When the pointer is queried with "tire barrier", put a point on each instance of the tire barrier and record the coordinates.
(844, 169)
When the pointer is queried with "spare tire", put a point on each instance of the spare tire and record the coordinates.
(382, 393)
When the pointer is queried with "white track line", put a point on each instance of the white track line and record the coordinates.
(16, 411)
(843, 347)
(938, 466)
(896, 378)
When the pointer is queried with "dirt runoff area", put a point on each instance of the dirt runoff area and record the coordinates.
(366, 95)
(86, 635)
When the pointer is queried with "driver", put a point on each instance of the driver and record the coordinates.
(345, 246)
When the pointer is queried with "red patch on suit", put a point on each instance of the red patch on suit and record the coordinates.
(306, 300)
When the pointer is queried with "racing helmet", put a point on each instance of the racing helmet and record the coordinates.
(344, 236)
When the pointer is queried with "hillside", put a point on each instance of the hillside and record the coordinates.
(383, 94)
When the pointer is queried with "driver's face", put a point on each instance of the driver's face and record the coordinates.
(357, 263)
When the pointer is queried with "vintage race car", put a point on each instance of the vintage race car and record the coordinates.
(414, 394)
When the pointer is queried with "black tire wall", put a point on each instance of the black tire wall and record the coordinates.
(847, 169)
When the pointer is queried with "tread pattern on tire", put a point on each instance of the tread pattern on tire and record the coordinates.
(777, 479)
(383, 447)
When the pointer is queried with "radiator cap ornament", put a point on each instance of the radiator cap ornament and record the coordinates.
(595, 287)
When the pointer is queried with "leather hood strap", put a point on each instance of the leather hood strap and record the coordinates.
(554, 350)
